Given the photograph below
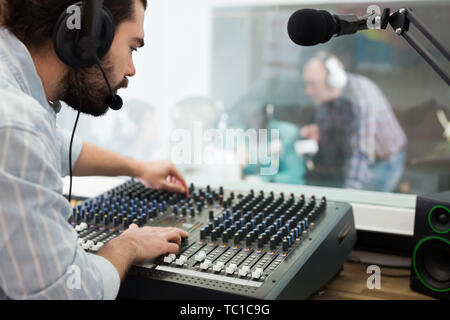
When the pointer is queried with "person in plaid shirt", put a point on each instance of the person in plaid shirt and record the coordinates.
(362, 145)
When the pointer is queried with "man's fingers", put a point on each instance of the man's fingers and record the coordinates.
(183, 233)
(173, 187)
(133, 226)
(172, 247)
(177, 174)
(176, 234)
(173, 236)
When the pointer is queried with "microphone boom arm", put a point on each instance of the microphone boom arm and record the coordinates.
(400, 22)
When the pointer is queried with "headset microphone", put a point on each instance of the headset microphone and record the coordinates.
(114, 101)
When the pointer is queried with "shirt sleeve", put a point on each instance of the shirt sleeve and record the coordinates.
(109, 275)
(39, 254)
(63, 137)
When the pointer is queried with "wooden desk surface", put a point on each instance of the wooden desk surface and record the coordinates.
(351, 284)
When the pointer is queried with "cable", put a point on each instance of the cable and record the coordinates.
(99, 64)
(74, 128)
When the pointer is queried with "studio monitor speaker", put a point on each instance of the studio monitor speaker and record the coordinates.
(430, 270)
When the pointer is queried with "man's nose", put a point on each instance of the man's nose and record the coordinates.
(131, 70)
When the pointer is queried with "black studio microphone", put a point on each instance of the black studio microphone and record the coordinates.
(308, 27)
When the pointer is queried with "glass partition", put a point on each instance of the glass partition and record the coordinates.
(224, 93)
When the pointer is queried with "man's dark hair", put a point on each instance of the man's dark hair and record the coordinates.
(33, 20)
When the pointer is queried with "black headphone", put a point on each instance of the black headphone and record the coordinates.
(86, 46)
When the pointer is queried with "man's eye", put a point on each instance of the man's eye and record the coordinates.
(133, 49)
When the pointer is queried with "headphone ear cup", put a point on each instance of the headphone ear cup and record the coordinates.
(337, 77)
(66, 46)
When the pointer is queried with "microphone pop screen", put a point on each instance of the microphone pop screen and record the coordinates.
(308, 27)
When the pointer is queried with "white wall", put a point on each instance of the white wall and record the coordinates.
(175, 62)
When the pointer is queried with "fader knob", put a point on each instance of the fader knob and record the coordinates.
(273, 243)
(260, 241)
(205, 265)
(236, 238)
(244, 271)
(181, 260)
(213, 235)
(248, 240)
(225, 236)
(218, 266)
(170, 258)
(200, 256)
(125, 223)
(257, 273)
(231, 268)
(285, 244)
(203, 233)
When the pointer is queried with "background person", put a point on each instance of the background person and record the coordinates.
(362, 146)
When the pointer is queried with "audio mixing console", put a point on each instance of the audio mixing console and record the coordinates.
(241, 245)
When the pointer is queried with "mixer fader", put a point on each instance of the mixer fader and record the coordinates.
(252, 244)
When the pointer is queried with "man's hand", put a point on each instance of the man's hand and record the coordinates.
(162, 175)
(311, 131)
(96, 161)
(151, 242)
(141, 244)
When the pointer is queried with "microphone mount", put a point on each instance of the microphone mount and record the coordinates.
(350, 24)
(400, 21)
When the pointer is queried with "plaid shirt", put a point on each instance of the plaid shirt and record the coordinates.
(358, 129)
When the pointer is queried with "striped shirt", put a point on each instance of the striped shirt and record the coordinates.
(39, 254)
(362, 125)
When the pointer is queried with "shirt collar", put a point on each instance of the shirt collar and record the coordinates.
(15, 58)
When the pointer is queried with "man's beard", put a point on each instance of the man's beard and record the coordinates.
(94, 90)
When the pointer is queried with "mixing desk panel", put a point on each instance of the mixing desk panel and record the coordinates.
(241, 245)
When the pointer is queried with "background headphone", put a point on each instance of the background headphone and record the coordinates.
(337, 77)
(85, 47)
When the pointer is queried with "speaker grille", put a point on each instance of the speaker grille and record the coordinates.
(439, 219)
(431, 263)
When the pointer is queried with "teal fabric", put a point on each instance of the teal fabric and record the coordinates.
(292, 168)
